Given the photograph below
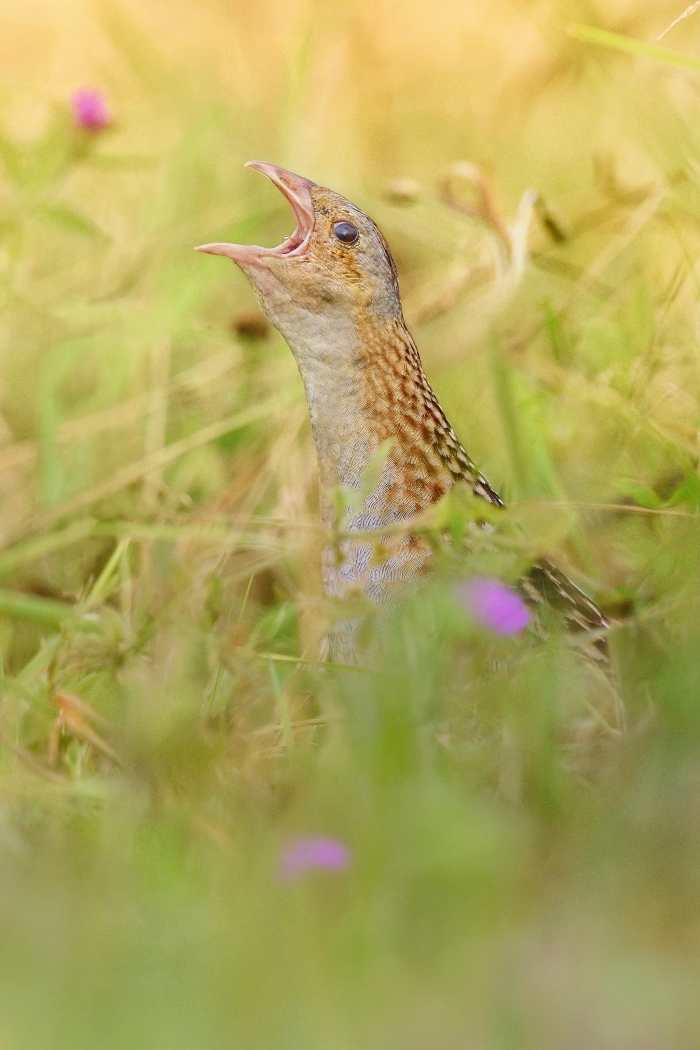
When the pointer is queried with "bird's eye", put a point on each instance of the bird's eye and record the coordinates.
(346, 232)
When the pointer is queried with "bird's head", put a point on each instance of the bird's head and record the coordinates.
(336, 261)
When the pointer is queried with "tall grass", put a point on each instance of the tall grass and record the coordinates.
(523, 842)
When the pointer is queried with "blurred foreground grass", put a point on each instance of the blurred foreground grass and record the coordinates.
(524, 869)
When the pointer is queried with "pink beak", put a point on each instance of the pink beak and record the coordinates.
(297, 190)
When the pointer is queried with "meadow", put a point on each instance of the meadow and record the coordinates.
(209, 836)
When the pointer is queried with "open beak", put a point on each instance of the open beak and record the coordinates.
(297, 190)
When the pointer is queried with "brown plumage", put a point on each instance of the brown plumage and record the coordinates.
(332, 291)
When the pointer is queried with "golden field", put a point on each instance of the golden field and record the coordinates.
(518, 863)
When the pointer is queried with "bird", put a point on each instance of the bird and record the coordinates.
(331, 289)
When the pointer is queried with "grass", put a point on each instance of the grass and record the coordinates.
(523, 841)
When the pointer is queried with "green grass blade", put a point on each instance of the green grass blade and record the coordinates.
(47, 611)
(619, 42)
(108, 578)
(40, 546)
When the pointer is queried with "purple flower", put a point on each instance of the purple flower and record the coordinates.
(307, 854)
(90, 110)
(495, 606)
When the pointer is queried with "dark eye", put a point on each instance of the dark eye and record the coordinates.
(346, 232)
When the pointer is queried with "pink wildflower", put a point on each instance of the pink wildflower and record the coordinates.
(495, 606)
(90, 110)
(307, 854)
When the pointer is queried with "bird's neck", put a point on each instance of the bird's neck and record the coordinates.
(365, 387)
(328, 351)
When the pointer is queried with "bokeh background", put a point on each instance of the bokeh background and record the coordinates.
(520, 841)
